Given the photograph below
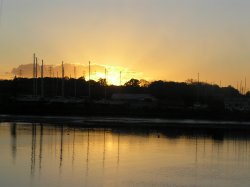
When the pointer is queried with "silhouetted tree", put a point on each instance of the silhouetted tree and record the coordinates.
(144, 83)
(102, 82)
(133, 83)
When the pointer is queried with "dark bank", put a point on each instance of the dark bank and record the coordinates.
(158, 99)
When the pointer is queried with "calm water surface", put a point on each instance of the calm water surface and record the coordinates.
(50, 155)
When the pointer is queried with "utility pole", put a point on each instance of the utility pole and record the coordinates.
(89, 81)
(57, 83)
(62, 79)
(42, 83)
(120, 78)
(198, 88)
(75, 79)
(34, 75)
(105, 91)
(241, 86)
(50, 71)
(245, 89)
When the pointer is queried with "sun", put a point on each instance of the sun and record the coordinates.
(117, 75)
(113, 80)
(113, 75)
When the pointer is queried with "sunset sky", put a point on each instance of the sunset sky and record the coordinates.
(159, 39)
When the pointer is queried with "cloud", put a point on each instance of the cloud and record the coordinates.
(113, 73)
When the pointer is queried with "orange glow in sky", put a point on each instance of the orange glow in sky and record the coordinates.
(168, 40)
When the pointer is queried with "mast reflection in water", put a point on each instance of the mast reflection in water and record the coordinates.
(50, 155)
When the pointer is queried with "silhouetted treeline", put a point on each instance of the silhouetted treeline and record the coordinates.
(187, 93)
(172, 99)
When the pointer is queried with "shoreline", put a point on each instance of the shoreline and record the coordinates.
(107, 121)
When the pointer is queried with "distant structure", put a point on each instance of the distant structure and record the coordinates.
(237, 104)
(132, 97)
(134, 100)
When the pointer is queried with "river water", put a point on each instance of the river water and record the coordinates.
(66, 155)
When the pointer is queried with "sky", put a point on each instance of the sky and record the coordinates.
(159, 39)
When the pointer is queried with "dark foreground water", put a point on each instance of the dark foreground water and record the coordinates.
(52, 155)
